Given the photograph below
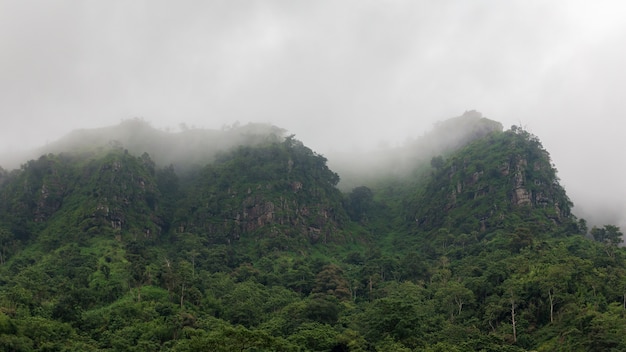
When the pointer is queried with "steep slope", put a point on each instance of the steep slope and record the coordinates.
(277, 191)
(73, 197)
(495, 182)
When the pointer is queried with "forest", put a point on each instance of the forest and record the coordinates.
(466, 246)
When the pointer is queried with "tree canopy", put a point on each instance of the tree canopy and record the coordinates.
(258, 250)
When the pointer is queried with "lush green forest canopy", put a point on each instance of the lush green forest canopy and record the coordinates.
(471, 246)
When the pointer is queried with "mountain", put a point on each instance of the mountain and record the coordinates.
(252, 246)
(497, 178)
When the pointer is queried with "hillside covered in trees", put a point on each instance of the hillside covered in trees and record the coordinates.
(469, 244)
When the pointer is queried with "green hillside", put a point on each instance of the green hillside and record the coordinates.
(472, 248)
(498, 181)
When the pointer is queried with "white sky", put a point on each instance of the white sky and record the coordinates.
(338, 74)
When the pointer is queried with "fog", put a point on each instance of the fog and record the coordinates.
(342, 76)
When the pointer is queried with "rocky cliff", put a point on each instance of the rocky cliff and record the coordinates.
(280, 190)
(502, 175)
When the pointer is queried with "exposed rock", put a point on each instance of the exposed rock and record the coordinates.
(505, 169)
(256, 215)
(476, 175)
(296, 186)
(521, 196)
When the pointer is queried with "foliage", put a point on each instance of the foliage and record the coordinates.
(259, 251)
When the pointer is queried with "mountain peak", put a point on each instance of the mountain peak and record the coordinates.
(482, 186)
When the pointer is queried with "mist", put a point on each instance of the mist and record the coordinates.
(342, 76)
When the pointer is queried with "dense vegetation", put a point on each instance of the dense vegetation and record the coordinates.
(258, 250)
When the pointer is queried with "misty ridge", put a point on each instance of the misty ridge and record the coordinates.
(414, 155)
(183, 149)
(191, 147)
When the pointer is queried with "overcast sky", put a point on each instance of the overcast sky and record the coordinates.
(338, 74)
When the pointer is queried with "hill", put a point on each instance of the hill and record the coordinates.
(501, 177)
(473, 247)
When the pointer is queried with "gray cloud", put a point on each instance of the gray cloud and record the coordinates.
(338, 74)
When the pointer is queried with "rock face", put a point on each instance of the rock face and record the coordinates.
(521, 196)
(264, 213)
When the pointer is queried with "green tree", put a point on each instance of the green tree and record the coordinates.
(330, 280)
(453, 296)
(360, 202)
(315, 337)
(405, 315)
(437, 162)
(610, 236)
